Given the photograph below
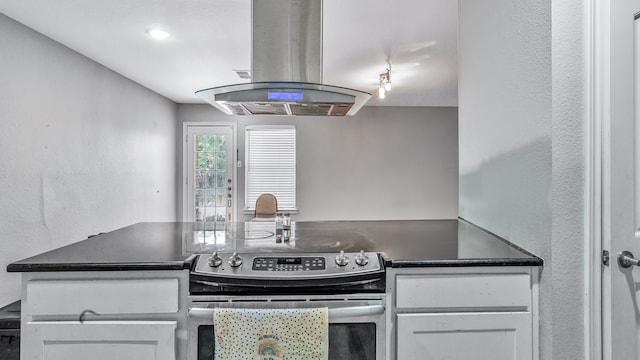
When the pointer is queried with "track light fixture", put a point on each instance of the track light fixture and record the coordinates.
(384, 82)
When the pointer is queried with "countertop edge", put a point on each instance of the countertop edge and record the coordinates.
(416, 263)
(173, 265)
(186, 265)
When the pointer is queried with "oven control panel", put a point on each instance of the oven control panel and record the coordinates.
(290, 263)
(287, 265)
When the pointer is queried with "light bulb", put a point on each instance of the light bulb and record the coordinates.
(387, 85)
(381, 92)
(157, 34)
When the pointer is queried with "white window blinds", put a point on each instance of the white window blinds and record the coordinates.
(270, 164)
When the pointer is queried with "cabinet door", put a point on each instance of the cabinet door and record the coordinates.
(468, 336)
(99, 340)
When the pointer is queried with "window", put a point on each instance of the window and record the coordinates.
(270, 165)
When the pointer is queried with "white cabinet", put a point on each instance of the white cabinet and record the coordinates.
(99, 340)
(468, 336)
(463, 313)
(137, 315)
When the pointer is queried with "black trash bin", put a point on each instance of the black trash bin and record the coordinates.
(10, 331)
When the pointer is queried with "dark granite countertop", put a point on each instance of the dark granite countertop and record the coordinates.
(171, 246)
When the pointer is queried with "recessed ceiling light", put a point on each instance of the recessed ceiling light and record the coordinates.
(158, 34)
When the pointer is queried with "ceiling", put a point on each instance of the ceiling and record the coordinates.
(211, 38)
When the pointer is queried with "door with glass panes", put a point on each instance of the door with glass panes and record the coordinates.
(210, 182)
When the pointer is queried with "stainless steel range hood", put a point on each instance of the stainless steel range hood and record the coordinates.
(286, 67)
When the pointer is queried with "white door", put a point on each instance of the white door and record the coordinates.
(209, 173)
(469, 336)
(99, 340)
(620, 35)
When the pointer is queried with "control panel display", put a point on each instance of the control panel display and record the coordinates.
(306, 263)
(294, 261)
(285, 95)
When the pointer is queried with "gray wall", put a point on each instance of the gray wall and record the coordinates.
(383, 163)
(84, 150)
(521, 145)
(568, 170)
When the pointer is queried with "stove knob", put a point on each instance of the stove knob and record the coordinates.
(215, 260)
(235, 260)
(362, 259)
(342, 259)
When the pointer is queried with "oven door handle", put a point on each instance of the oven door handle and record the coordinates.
(334, 313)
(355, 311)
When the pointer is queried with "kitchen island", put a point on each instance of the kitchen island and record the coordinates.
(125, 293)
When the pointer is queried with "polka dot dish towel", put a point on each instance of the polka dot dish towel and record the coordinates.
(271, 334)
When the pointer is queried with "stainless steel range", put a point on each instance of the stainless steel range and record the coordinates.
(351, 285)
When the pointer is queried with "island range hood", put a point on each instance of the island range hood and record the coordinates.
(286, 67)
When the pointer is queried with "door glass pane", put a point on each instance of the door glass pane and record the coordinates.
(210, 162)
(210, 198)
(220, 178)
(220, 196)
(219, 142)
(200, 200)
(221, 161)
(210, 213)
(199, 213)
(200, 180)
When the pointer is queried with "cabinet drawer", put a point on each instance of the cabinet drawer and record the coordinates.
(117, 296)
(464, 291)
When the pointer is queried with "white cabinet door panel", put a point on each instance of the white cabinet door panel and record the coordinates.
(99, 340)
(468, 336)
(107, 296)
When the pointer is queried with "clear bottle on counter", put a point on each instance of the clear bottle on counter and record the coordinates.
(286, 221)
(279, 227)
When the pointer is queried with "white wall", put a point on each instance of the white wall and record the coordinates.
(522, 145)
(383, 163)
(505, 117)
(568, 177)
(83, 150)
(505, 129)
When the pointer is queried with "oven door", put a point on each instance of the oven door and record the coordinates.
(356, 325)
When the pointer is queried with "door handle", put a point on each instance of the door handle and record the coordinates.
(335, 313)
(626, 260)
(355, 311)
